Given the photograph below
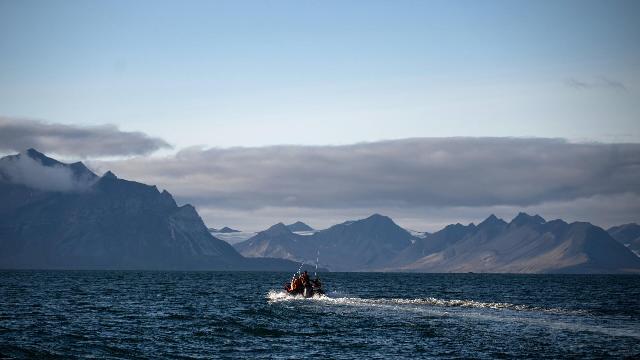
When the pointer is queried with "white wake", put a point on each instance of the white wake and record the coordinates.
(280, 296)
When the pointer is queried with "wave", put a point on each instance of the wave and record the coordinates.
(564, 319)
(280, 296)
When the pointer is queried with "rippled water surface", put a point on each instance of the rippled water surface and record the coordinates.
(243, 314)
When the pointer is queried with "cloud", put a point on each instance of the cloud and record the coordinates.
(80, 141)
(576, 84)
(602, 210)
(24, 170)
(409, 173)
(598, 83)
(612, 84)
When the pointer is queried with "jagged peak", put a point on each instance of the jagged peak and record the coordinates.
(457, 226)
(166, 196)
(40, 157)
(492, 220)
(31, 152)
(80, 166)
(109, 175)
(299, 226)
(377, 216)
(79, 170)
(375, 225)
(188, 206)
(376, 219)
(187, 209)
(278, 228)
(624, 227)
(523, 218)
(557, 222)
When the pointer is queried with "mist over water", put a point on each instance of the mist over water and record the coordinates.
(364, 315)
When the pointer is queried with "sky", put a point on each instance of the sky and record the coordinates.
(349, 85)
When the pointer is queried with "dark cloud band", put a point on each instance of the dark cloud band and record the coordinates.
(410, 173)
(87, 141)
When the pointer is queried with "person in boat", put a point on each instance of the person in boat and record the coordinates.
(296, 283)
(306, 287)
(303, 285)
(292, 284)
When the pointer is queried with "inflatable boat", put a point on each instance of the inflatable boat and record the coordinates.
(302, 285)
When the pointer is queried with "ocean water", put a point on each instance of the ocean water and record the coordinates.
(120, 314)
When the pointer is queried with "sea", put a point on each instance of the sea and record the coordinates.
(244, 315)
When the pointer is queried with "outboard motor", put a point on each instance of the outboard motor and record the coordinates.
(317, 287)
(307, 292)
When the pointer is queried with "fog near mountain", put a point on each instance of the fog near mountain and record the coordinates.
(27, 169)
(233, 238)
(112, 224)
(527, 244)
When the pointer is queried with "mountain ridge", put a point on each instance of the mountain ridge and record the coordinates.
(533, 246)
(526, 244)
(58, 215)
(107, 223)
(373, 237)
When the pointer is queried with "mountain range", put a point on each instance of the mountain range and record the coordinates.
(55, 215)
(526, 244)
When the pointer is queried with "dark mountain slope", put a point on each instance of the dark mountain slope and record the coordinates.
(353, 245)
(110, 223)
(628, 235)
(527, 245)
(277, 242)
